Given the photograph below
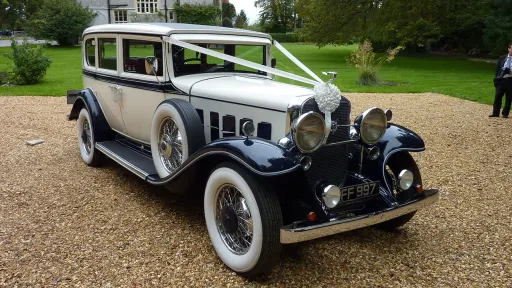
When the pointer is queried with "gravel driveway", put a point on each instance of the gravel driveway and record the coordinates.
(62, 223)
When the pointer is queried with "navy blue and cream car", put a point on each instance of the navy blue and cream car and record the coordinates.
(198, 110)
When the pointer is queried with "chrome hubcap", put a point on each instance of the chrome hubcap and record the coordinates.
(170, 145)
(233, 219)
(86, 136)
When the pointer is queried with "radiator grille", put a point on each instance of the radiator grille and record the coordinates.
(330, 163)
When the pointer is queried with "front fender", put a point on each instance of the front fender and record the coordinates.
(260, 156)
(396, 139)
(87, 99)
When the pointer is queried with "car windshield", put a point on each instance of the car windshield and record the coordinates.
(186, 61)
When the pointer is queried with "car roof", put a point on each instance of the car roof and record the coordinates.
(167, 29)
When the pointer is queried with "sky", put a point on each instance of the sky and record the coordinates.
(248, 6)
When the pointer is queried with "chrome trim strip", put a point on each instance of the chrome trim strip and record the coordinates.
(134, 169)
(186, 165)
(340, 143)
(294, 235)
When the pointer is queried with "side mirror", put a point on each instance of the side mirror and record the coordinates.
(273, 63)
(151, 65)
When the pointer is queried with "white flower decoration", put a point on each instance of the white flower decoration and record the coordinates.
(327, 96)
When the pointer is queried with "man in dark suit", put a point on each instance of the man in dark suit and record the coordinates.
(503, 84)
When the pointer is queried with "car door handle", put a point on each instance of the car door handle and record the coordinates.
(117, 87)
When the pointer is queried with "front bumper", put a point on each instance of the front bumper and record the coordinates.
(291, 234)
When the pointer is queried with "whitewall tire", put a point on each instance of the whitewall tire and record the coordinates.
(86, 141)
(243, 218)
(176, 133)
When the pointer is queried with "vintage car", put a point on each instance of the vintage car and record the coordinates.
(198, 110)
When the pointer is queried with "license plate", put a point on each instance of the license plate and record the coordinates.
(359, 191)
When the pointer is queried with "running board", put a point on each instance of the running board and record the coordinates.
(134, 161)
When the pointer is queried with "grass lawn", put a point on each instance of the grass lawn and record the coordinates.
(455, 77)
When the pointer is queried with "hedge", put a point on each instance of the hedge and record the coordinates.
(286, 37)
(198, 14)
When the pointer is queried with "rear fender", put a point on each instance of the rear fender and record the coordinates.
(87, 99)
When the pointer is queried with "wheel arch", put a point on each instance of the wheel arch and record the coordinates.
(87, 99)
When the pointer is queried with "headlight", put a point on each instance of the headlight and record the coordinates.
(309, 131)
(373, 125)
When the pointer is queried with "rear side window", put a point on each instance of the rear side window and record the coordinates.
(108, 53)
(135, 53)
(90, 48)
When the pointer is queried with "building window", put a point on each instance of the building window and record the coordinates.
(171, 15)
(147, 6)
(120, 16)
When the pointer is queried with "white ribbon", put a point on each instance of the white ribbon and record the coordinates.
(296, 61)
(239, 61)
(326, 94)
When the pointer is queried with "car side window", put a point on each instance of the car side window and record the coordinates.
(108, 53)
(90, 49)
(135, 53)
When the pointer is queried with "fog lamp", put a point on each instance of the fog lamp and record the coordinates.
(331, 196)
(406, 179)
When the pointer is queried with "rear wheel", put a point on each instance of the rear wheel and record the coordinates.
(243, 218)
(86, 141)
(395, 165)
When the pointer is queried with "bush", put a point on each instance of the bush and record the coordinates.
(61, 20)
(30, 64)
(286, 37)
(368, 65)
(198, 14)
(226, 22)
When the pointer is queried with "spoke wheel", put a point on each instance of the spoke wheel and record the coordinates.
(243, 217)
(86, 140)
(86, 137)
(233, 219)
(170, 145)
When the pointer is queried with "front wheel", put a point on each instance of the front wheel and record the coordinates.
(243, 218)
(397, 163)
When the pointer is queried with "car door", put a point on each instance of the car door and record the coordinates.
(141, 90)
(106, 85)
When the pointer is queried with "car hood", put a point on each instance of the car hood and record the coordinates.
(248, 90)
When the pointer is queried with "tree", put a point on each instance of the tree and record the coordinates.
(61, 20)
(14, 13)
(228, 14)
(276, 15)
(395, 22)
(241, 20)
(498, 31)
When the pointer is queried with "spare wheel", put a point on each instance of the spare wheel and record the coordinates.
(176, 133)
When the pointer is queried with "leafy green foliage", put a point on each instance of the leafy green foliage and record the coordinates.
(368, 64)
(498, 31)
(228, 11)
(30, 63)
(286, 37)
(276, 16)
(241, 20)
(61, 20)
(198, 14)
(456, 24)
(226, 22)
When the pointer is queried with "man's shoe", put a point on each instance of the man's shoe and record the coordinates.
(493, 116)
(505, 116)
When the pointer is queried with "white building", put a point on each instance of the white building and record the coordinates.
(125, 11)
